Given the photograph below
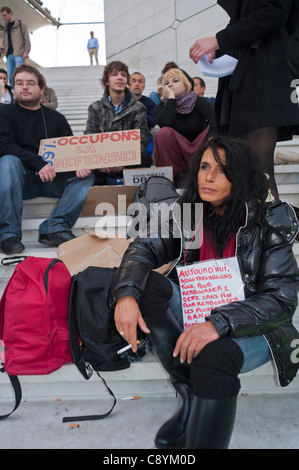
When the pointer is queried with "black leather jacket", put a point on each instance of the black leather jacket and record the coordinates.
(269, 271)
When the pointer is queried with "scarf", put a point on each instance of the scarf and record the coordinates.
(184, 103)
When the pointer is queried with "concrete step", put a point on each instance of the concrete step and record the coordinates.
(76, 123)
(30, 227)
(285, 174)
(39, 207)
(77, 98)
(288, 191)
(146, 379)
(74, 116)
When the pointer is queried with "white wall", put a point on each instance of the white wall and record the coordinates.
(145, 34)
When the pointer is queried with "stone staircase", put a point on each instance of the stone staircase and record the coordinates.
(76, 88)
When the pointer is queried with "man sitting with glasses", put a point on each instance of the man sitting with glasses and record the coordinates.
(25, 175)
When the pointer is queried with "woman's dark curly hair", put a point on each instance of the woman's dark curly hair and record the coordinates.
(249, 184)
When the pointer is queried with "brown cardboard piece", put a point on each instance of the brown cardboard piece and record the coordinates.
(89, 250)
(108, 194)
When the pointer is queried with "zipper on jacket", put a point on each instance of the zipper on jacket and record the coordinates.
(274, 361)
(244, 226)
(296, 219)
(178, 259)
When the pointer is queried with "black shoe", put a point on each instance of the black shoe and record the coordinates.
(12, 245)
(56, 239)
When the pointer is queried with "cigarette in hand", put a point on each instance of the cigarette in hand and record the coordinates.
(126, 348)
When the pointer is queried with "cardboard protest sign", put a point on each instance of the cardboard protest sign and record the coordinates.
(208, 285)
(136, 176)
(106, 150)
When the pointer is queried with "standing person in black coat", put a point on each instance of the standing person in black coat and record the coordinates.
(255, 102)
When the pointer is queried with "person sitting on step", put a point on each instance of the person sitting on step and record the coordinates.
(204, 360)
(25, 175)
(183, 118)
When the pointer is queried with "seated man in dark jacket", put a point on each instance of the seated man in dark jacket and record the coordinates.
(25, 175)
(137, 85)
(118, 110)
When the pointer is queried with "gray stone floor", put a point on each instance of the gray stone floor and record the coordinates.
(263, 422)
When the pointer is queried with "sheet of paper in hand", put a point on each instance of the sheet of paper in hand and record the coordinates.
(221, 67)
(207, 285)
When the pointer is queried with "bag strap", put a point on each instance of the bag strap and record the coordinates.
(13, 260)
(85, 369)
(94, 417)
(17, 391)
(77, 356)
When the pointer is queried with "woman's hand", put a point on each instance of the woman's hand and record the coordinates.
(203, 47)
(168, 93)
(127, 316)
(194, 339)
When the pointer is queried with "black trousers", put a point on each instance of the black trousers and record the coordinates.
(214, 372)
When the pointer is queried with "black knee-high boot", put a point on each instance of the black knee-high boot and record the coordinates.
(173, 433)
(165, 332)
(211, 423)
(216, 386)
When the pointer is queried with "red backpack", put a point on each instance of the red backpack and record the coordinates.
(34, 320)
(35, 324)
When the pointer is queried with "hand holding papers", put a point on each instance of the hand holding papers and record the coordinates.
(221, 67)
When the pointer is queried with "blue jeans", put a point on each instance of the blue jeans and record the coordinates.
(255, 350)
(12, 62)
(18, 183)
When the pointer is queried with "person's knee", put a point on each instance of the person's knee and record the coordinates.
(11, 169)
(82, 184)
(164, 133)
(90, 180)
(156, 296)
(215, 370)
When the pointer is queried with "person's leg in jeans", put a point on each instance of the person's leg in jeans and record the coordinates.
(10, 65)
(72, 192)
(12, 177)
(13, 62)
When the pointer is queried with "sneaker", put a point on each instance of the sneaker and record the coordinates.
(12, 245)
(56, 239)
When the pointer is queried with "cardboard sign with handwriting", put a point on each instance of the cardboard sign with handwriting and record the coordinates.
(106, 150)
(207, 285)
